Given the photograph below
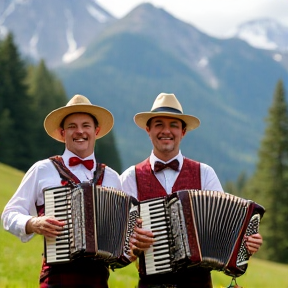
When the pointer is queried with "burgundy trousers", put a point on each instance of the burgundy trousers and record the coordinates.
(186, 278)
(80, 273)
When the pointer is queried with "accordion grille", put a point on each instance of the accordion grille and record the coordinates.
(112, 221)
(219, 218)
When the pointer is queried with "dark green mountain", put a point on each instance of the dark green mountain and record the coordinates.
(226, 83)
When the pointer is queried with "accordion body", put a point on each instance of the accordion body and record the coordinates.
(199, 228)
(99, 221)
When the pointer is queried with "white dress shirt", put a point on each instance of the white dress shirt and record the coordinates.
(167, 177)
(43, 174)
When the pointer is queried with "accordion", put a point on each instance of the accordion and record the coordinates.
(198, 228)
(99, 223)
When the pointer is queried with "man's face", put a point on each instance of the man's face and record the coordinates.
(166, 134)
(79, 134)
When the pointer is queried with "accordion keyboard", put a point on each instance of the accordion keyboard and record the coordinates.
(157, 257)
(57, 204)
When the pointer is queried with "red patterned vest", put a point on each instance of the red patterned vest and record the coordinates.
(149, 187)
(79, 272)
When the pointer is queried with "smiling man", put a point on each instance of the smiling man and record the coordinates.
(164, 172)
(79, 124)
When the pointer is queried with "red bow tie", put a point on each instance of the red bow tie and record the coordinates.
(73, 161)
(158, 166)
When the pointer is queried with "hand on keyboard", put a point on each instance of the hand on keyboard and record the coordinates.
(44, 225)
(141, 240)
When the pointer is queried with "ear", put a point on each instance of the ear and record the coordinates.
(184, 132)
(62, 132)
(97, 130)
(148, 130)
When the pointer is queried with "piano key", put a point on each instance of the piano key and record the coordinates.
(55, 259)
(160, 237)
(157, 243)
(154, 270)
(150, 257)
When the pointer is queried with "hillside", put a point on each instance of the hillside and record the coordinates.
(24, 271)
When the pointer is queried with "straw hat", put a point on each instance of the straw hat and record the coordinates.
(78, 104)
(166, 105)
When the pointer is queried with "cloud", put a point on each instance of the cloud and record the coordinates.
(213, 17)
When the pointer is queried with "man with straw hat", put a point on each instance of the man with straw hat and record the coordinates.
(79, 124)
(166, 171)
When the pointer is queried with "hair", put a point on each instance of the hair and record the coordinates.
(150, 119)
(92, 116)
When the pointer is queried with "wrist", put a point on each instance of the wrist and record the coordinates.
(29, 226)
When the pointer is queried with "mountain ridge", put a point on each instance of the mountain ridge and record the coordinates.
(263, 33)
(126, 51)
(225, 82)
(41, 26)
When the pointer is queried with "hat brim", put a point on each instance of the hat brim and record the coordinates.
(141, 119)
(53, 120)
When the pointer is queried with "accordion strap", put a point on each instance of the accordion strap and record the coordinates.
(65, 174)
(99, 173)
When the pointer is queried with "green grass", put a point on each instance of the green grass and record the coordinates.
(20, 262)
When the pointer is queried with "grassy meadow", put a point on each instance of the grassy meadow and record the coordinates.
(20, 262)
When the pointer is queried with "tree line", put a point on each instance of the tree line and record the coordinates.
(268, 185)
(28, 92)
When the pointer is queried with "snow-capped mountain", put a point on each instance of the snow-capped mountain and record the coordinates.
(61, 29)
(226, 82)
(264, 34)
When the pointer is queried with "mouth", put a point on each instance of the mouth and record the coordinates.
(80, 140)
(165, 138)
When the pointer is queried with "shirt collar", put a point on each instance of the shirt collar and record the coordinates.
(153, 159)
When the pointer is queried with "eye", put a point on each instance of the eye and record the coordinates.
(158, 124)
(174, 125)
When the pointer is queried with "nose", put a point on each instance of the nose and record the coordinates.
(166, 129)
(79, 129)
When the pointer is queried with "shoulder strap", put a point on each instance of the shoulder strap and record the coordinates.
(68, 176)
(64, 172)
(99, 174)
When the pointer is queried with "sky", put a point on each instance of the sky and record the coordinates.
(213, 17)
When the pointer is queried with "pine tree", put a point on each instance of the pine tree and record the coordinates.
(236, 188)
(7, 136)
(269, 184)
(47, 93)
(14, 107)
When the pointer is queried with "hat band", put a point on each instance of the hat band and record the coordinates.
(167, 109)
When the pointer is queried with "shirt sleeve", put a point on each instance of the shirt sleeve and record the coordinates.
(111, 179)
(128, 182)
(209, 178)
(22, 205)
